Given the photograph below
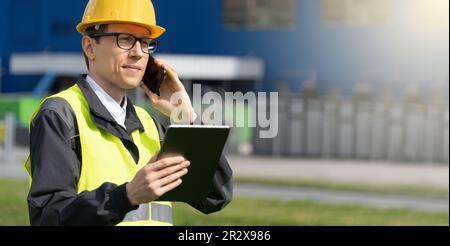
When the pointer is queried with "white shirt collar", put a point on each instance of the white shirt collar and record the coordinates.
(117, 112)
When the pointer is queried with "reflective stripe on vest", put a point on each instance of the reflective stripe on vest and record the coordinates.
(159, 212)
(105, 159)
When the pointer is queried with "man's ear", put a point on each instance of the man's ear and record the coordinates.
(88, 47)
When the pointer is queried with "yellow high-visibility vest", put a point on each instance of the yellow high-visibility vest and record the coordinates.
(105, 158)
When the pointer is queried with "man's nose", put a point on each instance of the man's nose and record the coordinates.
(136, 51)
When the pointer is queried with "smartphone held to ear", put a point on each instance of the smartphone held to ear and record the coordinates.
(153, 76)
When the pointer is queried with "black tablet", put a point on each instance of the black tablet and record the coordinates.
(202, 146)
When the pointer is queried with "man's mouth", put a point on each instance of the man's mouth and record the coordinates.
(132, 68)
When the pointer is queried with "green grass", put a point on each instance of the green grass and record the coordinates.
(304, 213)
(242, 211)
(13, 202)
(394, 189)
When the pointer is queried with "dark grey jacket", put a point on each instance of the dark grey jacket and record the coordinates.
(55, 154)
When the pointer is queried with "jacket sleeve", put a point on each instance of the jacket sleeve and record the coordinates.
(221, 191)
(55, 170)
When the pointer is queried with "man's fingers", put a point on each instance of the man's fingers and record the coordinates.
(152, 96)
(165, 162)
(170, 186)
(169, 69)
(170, 170)
(172, 177)
(164, 64)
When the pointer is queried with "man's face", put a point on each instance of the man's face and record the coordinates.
(118, 67)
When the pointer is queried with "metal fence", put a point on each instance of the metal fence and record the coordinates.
(359, 129)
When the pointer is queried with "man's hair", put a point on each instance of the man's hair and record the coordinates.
(91, 31)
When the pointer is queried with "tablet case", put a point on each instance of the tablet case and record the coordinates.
(202, 146)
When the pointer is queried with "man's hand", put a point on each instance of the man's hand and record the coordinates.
(156, 178)
(174, 101)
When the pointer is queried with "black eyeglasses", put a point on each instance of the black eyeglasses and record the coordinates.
(127, 41)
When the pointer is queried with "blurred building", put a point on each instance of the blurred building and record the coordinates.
(341, 42)
(365, 69)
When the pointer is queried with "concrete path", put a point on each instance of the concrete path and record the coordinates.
(342, 197)
(359, 172)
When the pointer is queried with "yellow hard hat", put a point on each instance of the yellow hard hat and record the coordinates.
(138, 12)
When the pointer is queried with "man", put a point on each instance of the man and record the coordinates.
(92, 153)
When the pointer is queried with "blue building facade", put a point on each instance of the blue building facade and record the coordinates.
(396, 53)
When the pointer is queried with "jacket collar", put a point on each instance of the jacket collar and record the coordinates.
(103, 119)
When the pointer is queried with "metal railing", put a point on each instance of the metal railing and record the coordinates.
(359, 129)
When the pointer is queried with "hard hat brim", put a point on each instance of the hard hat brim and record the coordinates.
(155, 31)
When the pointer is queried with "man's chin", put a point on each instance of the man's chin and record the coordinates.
(130, 84)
